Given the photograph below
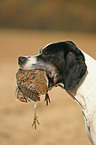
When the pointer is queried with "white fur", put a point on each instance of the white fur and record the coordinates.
(85, 94)
(30, 63)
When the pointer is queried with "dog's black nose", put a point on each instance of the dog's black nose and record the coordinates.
(22, 60)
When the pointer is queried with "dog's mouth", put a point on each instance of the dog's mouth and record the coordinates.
(29, 63)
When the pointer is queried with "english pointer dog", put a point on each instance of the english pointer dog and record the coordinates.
(72, 69)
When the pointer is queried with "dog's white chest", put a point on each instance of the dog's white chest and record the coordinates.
(85, 94)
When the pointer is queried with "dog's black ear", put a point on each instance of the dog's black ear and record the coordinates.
(74, 70)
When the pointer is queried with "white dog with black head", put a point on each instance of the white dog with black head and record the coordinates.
(75, 71)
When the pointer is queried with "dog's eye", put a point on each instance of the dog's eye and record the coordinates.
(45, 54)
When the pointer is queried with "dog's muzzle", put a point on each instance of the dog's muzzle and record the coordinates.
(32, 62)
(27, 62)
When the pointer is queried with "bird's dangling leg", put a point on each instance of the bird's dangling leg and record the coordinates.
(35, 120)
(47, 99)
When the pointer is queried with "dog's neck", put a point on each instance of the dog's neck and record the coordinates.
(84, 90)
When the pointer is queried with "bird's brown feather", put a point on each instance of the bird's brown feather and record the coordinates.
(31, 84)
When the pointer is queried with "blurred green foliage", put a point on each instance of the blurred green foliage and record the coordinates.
(69, 15)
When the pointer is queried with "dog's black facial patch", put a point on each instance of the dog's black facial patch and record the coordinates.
(68, 60)
(53, 54)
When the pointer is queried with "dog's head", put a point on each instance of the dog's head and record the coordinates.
(63, 60)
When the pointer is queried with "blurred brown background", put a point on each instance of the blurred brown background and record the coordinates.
(26, 27)
(68, 15)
